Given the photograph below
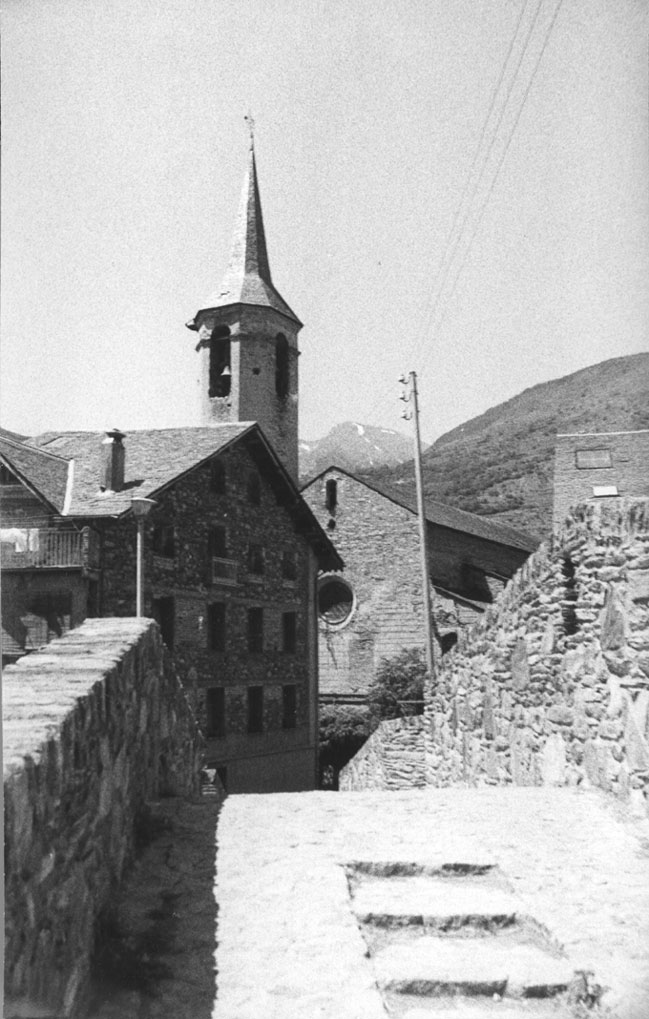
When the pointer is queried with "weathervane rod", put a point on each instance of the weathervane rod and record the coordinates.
(249, 119)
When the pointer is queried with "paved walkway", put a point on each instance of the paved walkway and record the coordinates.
(363, 905)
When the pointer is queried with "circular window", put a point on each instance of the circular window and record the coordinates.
(335, 601)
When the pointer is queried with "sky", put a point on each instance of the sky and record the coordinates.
(124, 151)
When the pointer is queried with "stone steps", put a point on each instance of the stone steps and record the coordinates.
(444, 905)
(462, 966)
(454, 943)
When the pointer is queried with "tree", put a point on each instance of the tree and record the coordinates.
(398, 689)
(343, 730)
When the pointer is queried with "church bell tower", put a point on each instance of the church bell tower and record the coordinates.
(247, 339)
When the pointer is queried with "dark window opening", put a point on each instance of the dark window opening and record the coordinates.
(163, 613)
(281, 367)
(331, 495)
(222, 773)
(289, 632)
(92, 604)
(255, 709)
(254, 488)
(474, 583)
(220, 374)
(289, 566)
(164, 540)
(6, 477)
(335, 601)
(216, 626)
(448, 641)
(570, 595)
(215, 712)
(289, 707)
(217, 477)
(256, 630)
(217, 543)
(256, 559)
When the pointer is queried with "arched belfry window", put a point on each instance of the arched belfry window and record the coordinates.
(281, 366)
(220, 375)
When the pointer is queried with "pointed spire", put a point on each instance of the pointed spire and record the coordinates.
(247, 279)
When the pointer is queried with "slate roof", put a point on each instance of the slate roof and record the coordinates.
(44, 472)
(155, 459)
(247, 279)
(442, 515)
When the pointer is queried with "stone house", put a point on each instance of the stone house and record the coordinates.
(598, 466)
(374, 609)
(231, 558)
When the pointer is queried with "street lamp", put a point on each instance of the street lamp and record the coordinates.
(141, 508)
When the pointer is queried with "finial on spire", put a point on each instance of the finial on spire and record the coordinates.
(249, 119)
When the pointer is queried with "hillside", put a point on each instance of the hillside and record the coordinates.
(356, 448)
(501, 463)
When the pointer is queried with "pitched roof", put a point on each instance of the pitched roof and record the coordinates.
(42, 471)
(155, 459)
(442, 515)
(247, 279)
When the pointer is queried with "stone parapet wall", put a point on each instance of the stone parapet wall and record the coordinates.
(392, 758)
(552, 684)
(96, 724)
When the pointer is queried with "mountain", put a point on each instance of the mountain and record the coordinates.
(356, 448)
(501, 463)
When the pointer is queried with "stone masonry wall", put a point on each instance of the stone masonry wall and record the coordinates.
(392, 758)
(95, 725)
(551, 686)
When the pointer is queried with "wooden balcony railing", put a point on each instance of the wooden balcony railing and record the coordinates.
(34, 548)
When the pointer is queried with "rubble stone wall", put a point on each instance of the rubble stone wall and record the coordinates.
(392, 758)
(96, 724)
(551, 685)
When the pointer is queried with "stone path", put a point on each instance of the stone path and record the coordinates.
(425, 903)
(156, 952)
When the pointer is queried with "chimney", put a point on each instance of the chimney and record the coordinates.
(112, 464)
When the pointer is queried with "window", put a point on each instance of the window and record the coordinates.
(289, 707)
(6, 477)
(220, 375)
(335, 601)
(216, 626)
(255, 709)
(164, 540)
(256, 559)
(215, 712)
(331, 494)
(593, 459)
(289, 565)
(256, 630)
(164, 613)
(217, 477)
(281, 367)
(222, 773)
(254, 488)
(289, 632)
(217, 543)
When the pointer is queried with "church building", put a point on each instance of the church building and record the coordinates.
(231, 550)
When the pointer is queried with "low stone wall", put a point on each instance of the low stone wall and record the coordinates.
(96, 724)
(551, 686)
(392, 758)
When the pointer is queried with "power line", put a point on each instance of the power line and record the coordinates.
(451, 241)
(466, 221)
(482, 208)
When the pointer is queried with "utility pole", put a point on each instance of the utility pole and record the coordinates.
(410, 395)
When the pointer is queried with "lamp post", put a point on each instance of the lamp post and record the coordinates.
(141, 508)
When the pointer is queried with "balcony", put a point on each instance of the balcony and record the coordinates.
(44, 548)
(224, 571)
